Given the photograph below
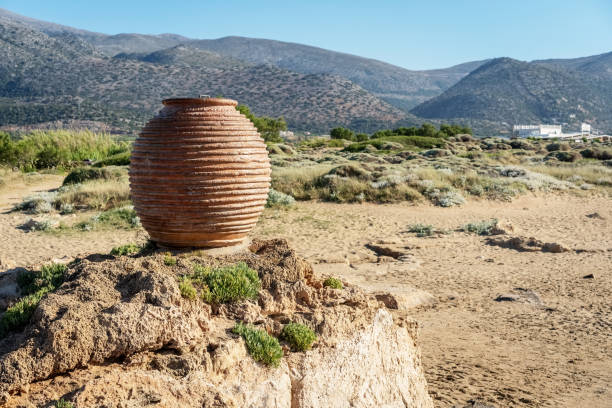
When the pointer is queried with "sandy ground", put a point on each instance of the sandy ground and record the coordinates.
(19, 248)
(555, 353)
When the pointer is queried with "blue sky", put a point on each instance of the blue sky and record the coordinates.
(412, 34)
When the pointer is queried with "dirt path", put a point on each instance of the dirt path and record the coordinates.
(19, 248)
(555, 353)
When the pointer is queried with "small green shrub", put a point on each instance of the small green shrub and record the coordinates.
(50, 276)
(232, 283)
(278, 199)
(260, 345)
(421, 230)
(187, 289)
(116, 218)
(225, 284)
(299, 336)
(128, 249)
(34, 285)
(62, 403)
(83, 174)
(333, 283)
(169, 260)
(481, 227)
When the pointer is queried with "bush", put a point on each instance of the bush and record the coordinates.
(119, 159)
(421, 230)
(565, 156)
(260, 345)
(187, 289)
(333, 283)
(62, 403)
(34, 285)
(117, 218)
(553, 147)
(299, 336)
(278, 199)
(342, 133)
(422, 142)
(225, 284)
(83, 174)
(481, 227)
(598, 154)
(269, 128)
(169, 260)
(128, 249)
(361, 137)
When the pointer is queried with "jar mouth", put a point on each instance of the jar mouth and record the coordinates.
(199, 101)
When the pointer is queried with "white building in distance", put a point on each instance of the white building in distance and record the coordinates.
(537, 131)
(553, 132)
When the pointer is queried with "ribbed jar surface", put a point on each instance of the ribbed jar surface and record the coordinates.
(199, 174)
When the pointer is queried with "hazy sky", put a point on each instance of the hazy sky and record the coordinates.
(413, 34)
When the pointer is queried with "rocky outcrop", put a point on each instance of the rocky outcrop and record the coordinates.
(119, 333)
(527, 244)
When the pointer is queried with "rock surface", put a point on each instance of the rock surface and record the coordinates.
(118, 333)
(527, 244)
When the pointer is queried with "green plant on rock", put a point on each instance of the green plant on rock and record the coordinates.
(62, 403)
(260, 345)
(128, 249)
(169, 260)
(333, 283)
(224, 284)
(34, 285)
(299, 336)
(481, 227)
(188, 291)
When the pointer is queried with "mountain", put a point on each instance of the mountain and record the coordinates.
(398, 86)
(599, 65)
(511, 91)
(61, 76)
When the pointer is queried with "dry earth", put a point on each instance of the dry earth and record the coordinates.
(550, 347)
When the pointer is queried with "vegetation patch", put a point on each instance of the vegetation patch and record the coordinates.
(34, 285)
(299, 336)
(62, 403)
(169, 260)
(222, 284)
(333, 283)
(260, 345)
(279, 199)
(82, 174)
(119, 159)
(57, 149)
(485, 227)
(117, 218)
(128, 249)
(421, 230)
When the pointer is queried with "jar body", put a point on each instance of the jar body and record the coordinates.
(199, 174)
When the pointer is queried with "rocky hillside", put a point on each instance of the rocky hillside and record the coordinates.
(400, 87)
(48, 77)
(511, 91)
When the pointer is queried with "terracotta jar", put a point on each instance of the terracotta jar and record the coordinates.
(199, 174)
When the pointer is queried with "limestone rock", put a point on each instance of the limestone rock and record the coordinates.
(118, 333)
(527, 244)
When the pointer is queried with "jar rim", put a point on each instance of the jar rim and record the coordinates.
(199, 101)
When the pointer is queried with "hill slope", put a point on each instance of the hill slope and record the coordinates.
(507, 90)
(45, 78)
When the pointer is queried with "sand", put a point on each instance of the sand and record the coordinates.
(553, 353)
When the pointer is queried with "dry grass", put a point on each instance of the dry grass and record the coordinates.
(95, 195)
(590, 173)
